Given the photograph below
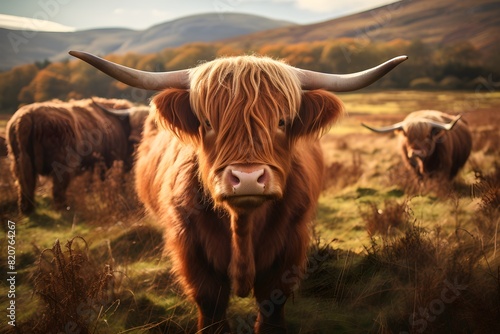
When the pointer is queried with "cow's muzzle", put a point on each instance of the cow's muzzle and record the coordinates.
(417, 163)
(252, 182)
(248, 185)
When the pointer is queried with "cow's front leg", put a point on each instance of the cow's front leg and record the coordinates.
(212, 313)
(208, 287)
(60, 185)
(271, 316)
(271, 299)
(26, 196)
(26, 177)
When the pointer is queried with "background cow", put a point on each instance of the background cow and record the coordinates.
(236, 179)
(62, 139)
(432, 143)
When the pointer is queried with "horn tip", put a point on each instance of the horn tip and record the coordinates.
(77, 54)
(367, 127)
(400, 59)
(80, 54)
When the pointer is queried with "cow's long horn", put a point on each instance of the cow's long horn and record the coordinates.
(400, 125)
(347, 82)
(136, 78)
(111, 111)
(180, 79)
(397, 126)
(444, 126)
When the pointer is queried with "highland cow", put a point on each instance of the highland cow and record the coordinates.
(235, 180)
(433, 144)
(63, 139)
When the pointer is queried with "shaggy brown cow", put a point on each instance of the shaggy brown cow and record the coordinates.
(62, 139)
(432, 143)
(236, 179)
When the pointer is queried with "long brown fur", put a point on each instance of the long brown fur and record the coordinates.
(62, 139)
(3, 147)
(241, 110)
(447, 151)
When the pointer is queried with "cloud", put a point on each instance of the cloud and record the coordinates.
(25, 23)
(160, 13)
(134, 13)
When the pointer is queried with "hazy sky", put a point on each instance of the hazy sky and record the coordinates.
(141, 14)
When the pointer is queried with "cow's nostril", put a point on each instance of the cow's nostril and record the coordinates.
(263, 178)
(233, 179)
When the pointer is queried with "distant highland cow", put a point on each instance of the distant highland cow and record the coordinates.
(62, 139)
(433, 144)
(236, 180)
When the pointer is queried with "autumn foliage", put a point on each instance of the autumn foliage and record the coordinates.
(457, 66)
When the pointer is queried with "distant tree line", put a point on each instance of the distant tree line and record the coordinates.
(457, 66)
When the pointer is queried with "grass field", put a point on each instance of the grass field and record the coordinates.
(390, 254)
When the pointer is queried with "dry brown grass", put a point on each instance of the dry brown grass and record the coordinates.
(395, 285)
(339, 175)
(99, 195)
(437, 284)
(417, 279)
(387, 220)
(105, 195)
(8, 191)
(76, 290)
(400, 176)
(488, 189)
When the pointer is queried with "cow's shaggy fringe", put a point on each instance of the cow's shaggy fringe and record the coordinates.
(76, 292)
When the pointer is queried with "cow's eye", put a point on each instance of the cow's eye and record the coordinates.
(207, 124)
(281, 123)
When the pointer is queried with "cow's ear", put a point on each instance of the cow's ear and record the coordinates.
(173, 111)
(436, 133)
(319, 110)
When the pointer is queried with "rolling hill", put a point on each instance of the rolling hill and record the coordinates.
(436, 23)
(21, 47)
(433, 22)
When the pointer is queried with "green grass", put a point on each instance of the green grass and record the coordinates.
(403, 102)
(391, 243)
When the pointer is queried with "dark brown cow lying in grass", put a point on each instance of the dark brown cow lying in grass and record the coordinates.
(62, 139)
(237, 178)
(432, 143)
